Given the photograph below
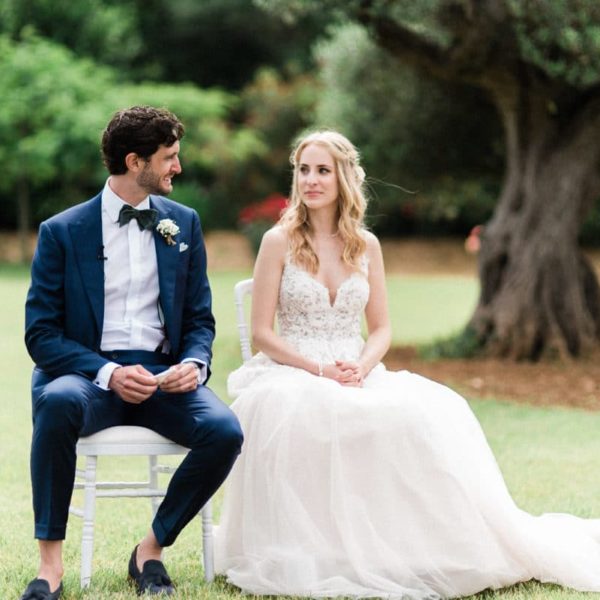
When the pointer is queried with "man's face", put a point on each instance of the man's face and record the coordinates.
(158, 172)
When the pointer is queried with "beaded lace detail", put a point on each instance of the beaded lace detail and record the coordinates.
(312, 324)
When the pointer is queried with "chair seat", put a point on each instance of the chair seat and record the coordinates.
(129, 440)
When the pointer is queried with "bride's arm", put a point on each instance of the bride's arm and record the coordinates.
(268, 270)
(376, 311)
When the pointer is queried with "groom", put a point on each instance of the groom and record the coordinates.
(119, 293)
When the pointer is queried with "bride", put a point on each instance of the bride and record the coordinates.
(354, 480)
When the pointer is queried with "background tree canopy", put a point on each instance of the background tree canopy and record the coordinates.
(52, 120)
(454, 104)
(297, 73)
(68, 66)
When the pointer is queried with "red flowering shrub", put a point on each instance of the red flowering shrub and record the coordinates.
(268, 209)
(254, 219)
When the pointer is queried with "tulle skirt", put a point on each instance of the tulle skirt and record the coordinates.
(389, 490)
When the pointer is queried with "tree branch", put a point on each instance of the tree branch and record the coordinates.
(481, 35)
(402, 42)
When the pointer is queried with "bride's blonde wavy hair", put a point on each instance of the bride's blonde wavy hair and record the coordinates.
(352, 202)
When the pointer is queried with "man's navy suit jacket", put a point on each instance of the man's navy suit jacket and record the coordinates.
(65, 305)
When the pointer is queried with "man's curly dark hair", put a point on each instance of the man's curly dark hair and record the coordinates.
(139, 129)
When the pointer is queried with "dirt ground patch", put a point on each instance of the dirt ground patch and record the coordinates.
(575, 384)
(572, 384)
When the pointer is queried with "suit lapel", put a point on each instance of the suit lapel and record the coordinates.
(86, 235)
(167, 258)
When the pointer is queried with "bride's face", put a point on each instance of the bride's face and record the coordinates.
(317, 177)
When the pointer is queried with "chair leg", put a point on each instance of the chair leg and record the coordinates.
(207, 542)
(153, 480)
(89, 510)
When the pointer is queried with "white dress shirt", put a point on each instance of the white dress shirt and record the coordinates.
(132, 318)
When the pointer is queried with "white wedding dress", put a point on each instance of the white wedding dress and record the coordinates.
(389, 490)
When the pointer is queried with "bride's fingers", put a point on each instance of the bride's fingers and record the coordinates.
(351, 378)
(347, 366)
(352, 383)
(346, 376)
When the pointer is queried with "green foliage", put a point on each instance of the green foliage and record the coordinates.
(45, 102)
(464, 344)
(441, 142)
(209, 43)
(277, 109)
(192, 194)
(219, 42)
(215, 148)
(562, 37)
(453, 203)
(589, 234)
(104, 30)
(421, 16)
(212, 143)
(49, 123)
(254, 232)
(57, 103)
(53, 117)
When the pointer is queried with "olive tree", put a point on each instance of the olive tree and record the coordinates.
(539, 63)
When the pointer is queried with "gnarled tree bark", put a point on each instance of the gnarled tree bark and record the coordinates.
(539, 293)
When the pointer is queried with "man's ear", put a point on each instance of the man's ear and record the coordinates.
(134, 162)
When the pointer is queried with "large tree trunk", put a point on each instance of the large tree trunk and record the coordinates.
(539, 293)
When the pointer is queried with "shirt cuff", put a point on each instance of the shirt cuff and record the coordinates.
(104, 374)
(202, 369)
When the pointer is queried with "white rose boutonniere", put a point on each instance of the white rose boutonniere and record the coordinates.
(168, 229)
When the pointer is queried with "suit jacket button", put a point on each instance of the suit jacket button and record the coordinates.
(114, 356)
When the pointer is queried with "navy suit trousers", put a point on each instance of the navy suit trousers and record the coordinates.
(71, 406)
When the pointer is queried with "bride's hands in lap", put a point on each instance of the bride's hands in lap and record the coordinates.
(348, 373)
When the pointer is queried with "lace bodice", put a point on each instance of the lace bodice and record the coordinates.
(315, 327)
(307, 320)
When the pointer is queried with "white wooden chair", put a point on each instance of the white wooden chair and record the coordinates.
(128, 441)
(240, 291)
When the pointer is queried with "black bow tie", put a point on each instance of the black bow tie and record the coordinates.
(146, 219)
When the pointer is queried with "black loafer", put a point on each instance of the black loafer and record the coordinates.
(153, 579)
(39, 589)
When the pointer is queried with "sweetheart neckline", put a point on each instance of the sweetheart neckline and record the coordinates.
(323, 286)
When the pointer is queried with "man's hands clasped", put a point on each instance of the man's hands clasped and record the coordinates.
(135, 384)
(181, 378)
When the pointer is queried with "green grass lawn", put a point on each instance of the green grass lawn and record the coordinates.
(550, 457)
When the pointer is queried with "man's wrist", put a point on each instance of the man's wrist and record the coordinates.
(201, 366)
(104, 374)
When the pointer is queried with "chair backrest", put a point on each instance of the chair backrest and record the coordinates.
(241, 290)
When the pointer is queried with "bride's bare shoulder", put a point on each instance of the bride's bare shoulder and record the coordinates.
(275, 241)
(373, 245)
